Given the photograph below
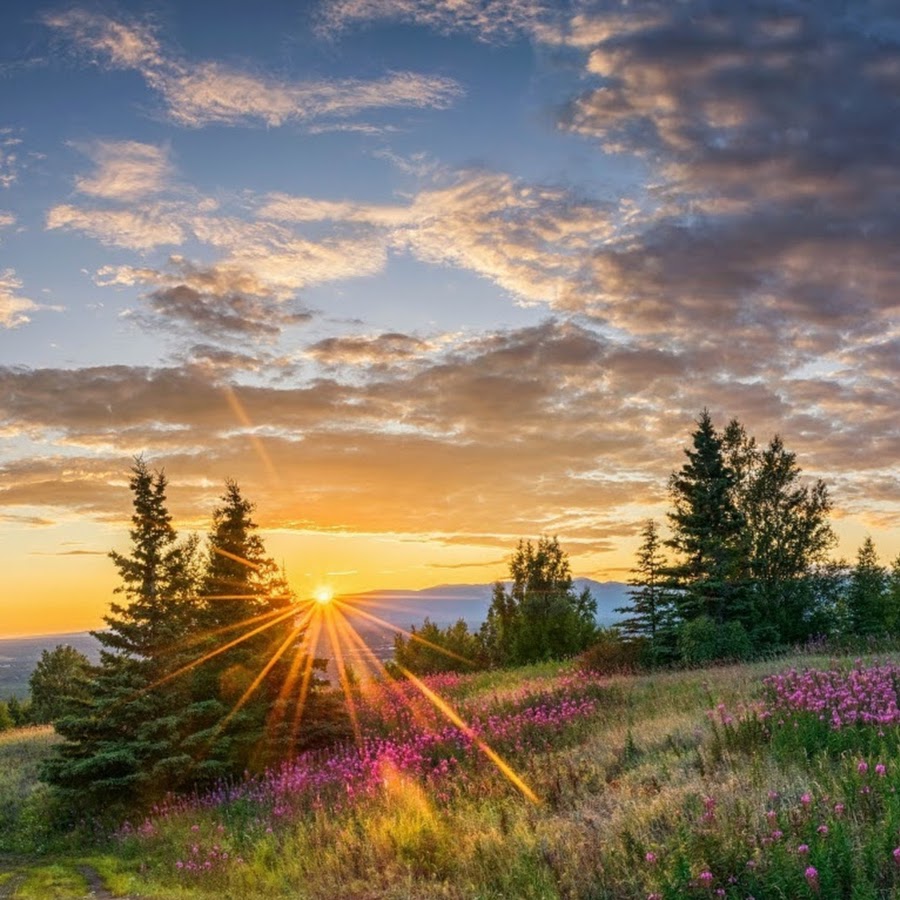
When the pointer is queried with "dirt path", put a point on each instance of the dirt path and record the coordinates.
(97, 889)
(10, 886)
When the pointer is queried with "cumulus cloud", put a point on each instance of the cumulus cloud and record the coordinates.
(217, 301)
(7, 219)
(198, 94)
(126, 170)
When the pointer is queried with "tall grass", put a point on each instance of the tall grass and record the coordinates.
(679, 784)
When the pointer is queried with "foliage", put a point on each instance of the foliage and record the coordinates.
(60, 676)
(867, 592)
(707, 528)
(540, 616)
(701, 642)
(430, 649)
(650, 614)
(610, 654)
(124, 742)
(6, 720)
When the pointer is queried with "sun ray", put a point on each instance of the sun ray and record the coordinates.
(201, 636)
(241, 415)
(507, 771)
(282, 615)
(329, 616)
(270, 664)
(239, 559)
(407, 634)
(313, 645)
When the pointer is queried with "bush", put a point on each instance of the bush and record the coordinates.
(701, 641)
(610, 654)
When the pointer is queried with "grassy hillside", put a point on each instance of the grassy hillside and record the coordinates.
(694, 784)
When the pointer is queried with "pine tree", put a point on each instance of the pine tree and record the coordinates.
(892, 598)
(649, 615)
(123, 743)
(867, 592)
(707, 529)
(241, 721)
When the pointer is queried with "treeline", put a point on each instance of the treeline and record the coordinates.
(198, 673)
(745, 567)
(742, 569)
(539, 616)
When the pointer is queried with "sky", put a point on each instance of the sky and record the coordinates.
(429, 277)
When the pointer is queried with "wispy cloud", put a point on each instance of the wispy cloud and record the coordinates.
(125, 170)
(486, 19)
(207, 92)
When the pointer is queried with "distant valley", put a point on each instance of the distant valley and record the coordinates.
(443, 605)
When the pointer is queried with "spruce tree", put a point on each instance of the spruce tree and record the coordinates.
(707, 528)
(649, 615)
(867, 592)
(243, 723)
(123, 742)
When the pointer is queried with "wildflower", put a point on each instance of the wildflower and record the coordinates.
(897, 855)
(751, 863)
(839, 808)
(812, 876)
(823, 830)
(863, 767)
(650, 857)
(706, 878)
(806, 799)
(803, 849)
(777, 835)
(880, 770)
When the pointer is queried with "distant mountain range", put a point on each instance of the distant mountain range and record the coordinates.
(443, 605)
(447, 603)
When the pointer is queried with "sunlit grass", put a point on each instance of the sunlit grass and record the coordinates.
(642, 772)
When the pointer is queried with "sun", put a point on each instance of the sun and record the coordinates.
(323, 595)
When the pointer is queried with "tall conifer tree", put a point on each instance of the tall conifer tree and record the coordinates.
(124, 743)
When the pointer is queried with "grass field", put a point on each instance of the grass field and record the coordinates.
(692, 784)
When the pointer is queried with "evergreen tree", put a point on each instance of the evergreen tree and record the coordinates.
(867, 592)
(541, 616)
(786, 533)
(60, 676)
(242, 720)
(707, 529)
(649, 615)
(892, 598)
(123, 743)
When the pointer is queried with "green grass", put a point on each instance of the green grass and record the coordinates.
(647, 773)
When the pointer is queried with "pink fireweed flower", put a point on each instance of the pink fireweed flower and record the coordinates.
(839, 808)
(863, 767)
(823, 830)
(812, 876)
(706, 878)
(806, 799)
(803, 849)
(650, 857)
(880, 770)
(897, 855)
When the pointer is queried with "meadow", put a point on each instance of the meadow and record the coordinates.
(771, 779)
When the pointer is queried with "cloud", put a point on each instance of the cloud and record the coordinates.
(14, 308)
(7, 219)
(154, 225)
(126, 170)
(9, 157)
(381, 350)
(204, 93)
